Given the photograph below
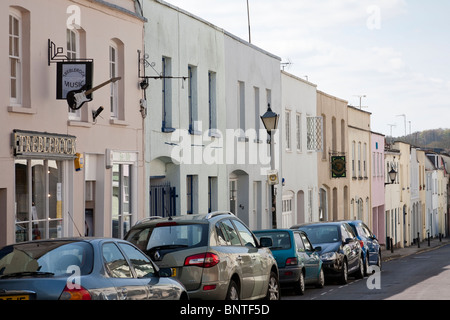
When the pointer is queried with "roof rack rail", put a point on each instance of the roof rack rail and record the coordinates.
(148, 219)
(217, 213)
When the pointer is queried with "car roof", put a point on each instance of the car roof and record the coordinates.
(336, 223)
(190, 218)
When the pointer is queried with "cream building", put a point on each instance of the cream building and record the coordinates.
(359, 154)
(333, 178)
(44, 192)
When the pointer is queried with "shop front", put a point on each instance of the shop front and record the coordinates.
(42, 162)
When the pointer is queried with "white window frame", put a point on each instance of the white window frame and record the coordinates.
(114, 72)
(73, 53)
(17, 100)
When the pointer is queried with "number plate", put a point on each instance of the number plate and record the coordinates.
(16, 297)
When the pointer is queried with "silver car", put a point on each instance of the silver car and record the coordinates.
(215, 256)
(83, 269)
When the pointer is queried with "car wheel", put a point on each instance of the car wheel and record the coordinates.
(233, 291)
(300, 285)
(273, 290)
(344, 273)
(379, 261)
(366, 265)
(321, 281)
(359, 274)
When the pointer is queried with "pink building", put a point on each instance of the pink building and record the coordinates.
(377, 187)
(64, 172)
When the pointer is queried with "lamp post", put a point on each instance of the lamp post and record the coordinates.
(270, 121)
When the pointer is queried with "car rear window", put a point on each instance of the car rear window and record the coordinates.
(281, 240)
(56, 257)
(322, 233)
(178, 235)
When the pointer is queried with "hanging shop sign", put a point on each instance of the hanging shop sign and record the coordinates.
(338, 167)
(72, 76)
(30, 144)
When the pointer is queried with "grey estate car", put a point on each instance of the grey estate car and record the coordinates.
(215, 256)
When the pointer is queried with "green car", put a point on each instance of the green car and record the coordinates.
(298, 262)
(215, 256)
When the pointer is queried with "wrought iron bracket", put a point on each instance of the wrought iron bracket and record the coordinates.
(56, 54)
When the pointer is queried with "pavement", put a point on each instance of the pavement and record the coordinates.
(397, 253)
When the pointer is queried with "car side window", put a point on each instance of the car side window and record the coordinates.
(246, 235)
(231, 233)
(298, 242)
(351, 233)
(115, 263)
(222, 239)
(308, 245)
(366, 230)
(345, 233)
(141, 264)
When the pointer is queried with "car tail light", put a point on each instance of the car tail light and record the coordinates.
(209, 287)
(204, 260)
(361, 243)
(291, 261)
(75, 294)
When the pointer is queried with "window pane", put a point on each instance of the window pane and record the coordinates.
(141, 264)
(231, 232)
(115, 263)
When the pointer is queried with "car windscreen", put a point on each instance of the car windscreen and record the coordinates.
(170, 236)
(322, 233)
(46, 258)
(280, 240)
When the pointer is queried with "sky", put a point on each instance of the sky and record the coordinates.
(394, 52)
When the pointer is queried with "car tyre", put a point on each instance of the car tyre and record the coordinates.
(359, 274)
(344, 273)
(366, 265)
(321, 281)
(379, 261)
(300, 285)
(233, 291)
(273, 290)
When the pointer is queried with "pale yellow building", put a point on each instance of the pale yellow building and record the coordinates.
(359, 161)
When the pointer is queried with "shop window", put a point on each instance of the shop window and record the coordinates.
(39, 199)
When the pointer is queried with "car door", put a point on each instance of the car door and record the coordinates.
(260, 268)
(240, 254)
(312, 263)
(350, 247)
(121, 274)
(372, 243)
(146, 275)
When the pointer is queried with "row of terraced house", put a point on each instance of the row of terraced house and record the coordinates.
(170, 124)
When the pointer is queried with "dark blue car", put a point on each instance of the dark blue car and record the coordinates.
(369, 244)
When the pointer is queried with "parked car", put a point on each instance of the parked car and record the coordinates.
(298, 263)
(214, 255)
(83, 269)
(369, 244)
(339, 250)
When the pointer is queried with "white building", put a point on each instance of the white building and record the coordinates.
(206, 92)
(185, 99)
(252, 83)
(300, 178)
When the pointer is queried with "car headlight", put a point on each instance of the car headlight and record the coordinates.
(328, 256)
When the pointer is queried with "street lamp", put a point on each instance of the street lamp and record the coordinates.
(392, 176)
(270, 121)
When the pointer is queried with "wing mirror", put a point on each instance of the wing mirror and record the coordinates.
(266, 242)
